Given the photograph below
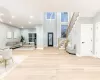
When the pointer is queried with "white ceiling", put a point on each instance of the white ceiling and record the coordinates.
(23, 9)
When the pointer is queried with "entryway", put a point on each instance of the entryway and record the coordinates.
(50, 39)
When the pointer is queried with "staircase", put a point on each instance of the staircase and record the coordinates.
(61, 42)
(70, 26)
(72, 23)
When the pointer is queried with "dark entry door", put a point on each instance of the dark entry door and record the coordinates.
(50, 39)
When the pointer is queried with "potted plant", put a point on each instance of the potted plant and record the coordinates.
(22, 40)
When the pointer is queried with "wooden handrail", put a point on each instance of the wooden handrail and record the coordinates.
(70, 26)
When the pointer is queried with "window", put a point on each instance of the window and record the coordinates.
(31, 37)
(64, 17)
(63, 31)
(50, 15)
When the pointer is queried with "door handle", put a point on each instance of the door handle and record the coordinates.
(83, 42)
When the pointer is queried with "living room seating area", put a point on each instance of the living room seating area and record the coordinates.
(14, 45)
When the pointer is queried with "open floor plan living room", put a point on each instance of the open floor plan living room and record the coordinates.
(49, 40)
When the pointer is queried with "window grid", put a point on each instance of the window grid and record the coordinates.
(31, 37)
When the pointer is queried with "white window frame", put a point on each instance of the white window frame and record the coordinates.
(50, 18)
(60, 18)
(60, 28)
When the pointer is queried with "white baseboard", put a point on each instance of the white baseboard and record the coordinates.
(40, 48)
(55, 46)
(61, 48)
(85, 55)
(78, 55)
(95, 56)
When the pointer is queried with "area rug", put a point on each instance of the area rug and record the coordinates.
(10, 66)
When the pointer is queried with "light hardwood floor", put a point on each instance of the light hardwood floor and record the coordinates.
(54, 64)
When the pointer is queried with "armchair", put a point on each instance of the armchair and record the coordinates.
(6, 55)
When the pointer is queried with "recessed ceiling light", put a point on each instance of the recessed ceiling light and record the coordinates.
(1, 20)
(1, 14)
(22, 27)
(29, 22)
(13, 16)
(31, 17)
(10, 22)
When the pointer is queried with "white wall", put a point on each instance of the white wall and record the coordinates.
(76, 37)
(58, 26)
(96, 19)
(87, 20)
(50, 26)
(40, 42)
(55, 27)
(37, 29)
(3, 34)
(24, 33)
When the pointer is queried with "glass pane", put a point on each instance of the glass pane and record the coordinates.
(33, 40)
(30, 35)
(30, 39)
(50, 39)
(64, 17)
(63, 31)
(50, 15)
(53, 16)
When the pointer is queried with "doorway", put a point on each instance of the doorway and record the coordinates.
(50, 39)
(87, 40)
(32, 38)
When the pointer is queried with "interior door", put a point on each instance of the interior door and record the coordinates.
(97, 40)
(50, 39)
(86, 39)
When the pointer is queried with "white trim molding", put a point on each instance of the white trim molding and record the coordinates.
(40, 48)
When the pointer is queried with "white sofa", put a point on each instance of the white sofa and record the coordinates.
(14, 45)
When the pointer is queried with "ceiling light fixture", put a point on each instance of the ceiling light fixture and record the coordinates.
(1, 20)
(22, 27)
(10, 22)
(13, 16)
(1, 14)
(31, 17)
(29, 22)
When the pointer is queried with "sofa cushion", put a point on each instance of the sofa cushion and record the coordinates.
(13, 44)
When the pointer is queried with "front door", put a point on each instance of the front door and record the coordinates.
(50, 39)
(86, 40)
